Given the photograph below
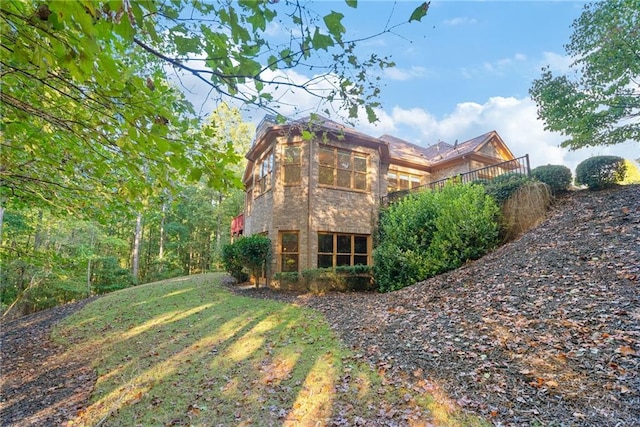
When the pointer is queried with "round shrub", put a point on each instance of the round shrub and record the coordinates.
(600, 172)
(557, 177)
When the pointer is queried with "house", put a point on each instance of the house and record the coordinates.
(315, 187)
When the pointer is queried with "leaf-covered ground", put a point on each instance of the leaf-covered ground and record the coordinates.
(545, 330)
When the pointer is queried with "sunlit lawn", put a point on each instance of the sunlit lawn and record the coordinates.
(188, 352)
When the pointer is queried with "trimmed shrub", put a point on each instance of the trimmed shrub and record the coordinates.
(251, 253)
(557, 177)
(232, 263)
(503, 186)
(431, 232)
(600, 172)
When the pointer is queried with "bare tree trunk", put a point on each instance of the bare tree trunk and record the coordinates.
(136, 248)
(219, 224)
(161, 250)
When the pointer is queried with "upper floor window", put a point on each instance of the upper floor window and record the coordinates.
(291, 164)
(343, 169)
(264, 173)
(342, 249)
(397, 181)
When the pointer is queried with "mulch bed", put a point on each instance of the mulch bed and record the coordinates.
(545, 330)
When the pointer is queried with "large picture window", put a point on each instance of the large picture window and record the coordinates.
(291, 164)
(290, 251)
(397, 181)
(264, 174)
(335, 249)
(343, 169)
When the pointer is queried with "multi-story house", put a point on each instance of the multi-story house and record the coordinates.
(316, 188)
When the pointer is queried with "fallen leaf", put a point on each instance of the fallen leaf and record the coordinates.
(626, 350)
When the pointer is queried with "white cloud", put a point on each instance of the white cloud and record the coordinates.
(514, 119)
(460, 20)
(396, 73)
(556, 62)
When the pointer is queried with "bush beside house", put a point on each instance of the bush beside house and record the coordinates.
(247, 257)
(431, 232)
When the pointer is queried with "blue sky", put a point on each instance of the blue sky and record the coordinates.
(464, 70)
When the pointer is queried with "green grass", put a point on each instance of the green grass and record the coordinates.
(187, 352)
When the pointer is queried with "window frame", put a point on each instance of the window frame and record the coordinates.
(338, 170)
(336, 255)
(263, 174)
(283, 253)
(413, 180)
(286, 163)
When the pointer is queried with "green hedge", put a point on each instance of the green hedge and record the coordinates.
(557, 177)
(431, 232)
(600, 172)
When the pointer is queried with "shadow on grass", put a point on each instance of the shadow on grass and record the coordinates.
(188, 352)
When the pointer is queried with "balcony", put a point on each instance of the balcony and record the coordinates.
(237, 225)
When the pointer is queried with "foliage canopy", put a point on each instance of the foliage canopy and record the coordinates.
(90, 115)
(600, 105)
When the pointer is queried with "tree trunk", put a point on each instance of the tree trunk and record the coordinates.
(161, 250)
(219, 225)
(135, 264)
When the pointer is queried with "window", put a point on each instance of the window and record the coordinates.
(291, 164)
(342, 249)
(289, 251)
(264, 169)
(397, 181)
(343, 169)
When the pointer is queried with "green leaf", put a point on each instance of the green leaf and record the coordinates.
(321, 41)
(352, 3)
(334, 24)
(307, 135)
(371, 115)
(420, 12)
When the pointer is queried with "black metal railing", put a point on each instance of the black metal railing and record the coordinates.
(520, 165)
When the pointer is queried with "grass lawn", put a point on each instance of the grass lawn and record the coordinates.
(188, 352)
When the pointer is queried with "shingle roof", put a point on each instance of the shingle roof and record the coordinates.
(465, 147)
(398, 148)
(401, 149)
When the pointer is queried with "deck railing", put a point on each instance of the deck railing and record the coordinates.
(520, 165)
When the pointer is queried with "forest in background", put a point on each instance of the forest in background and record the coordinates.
(49, 258)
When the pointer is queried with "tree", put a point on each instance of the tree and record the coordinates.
(601, 104)
(90, 117)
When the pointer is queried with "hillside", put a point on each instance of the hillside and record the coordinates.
(543, 331)
(546, 329)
